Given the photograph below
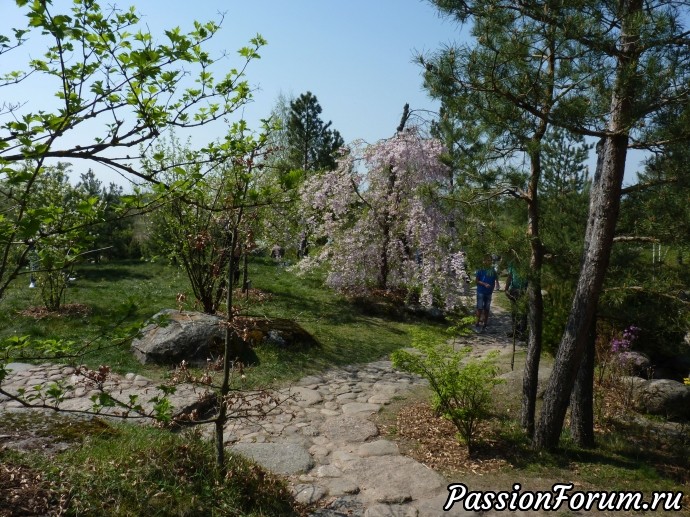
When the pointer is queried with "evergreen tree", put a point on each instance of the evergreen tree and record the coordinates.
(619, 64)
(301, 144)
(312, 143)
(521, 54)
(114, 235)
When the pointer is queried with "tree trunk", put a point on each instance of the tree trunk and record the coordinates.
(531, 375)
(245, 273)
(603, 214)
(383, 269)
(221, 417)
(582, 398)
(534, 297)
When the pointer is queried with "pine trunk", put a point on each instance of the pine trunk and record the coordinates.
(534, 298)
(582, 398)
(603, 214)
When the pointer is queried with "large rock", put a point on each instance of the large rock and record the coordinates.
(174, 336)
(664, 397)
(280, 458)
(638, 363)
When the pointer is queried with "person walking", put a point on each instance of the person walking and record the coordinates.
(487, 281)
(515, 288)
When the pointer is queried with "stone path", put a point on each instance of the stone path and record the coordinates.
(323, 440)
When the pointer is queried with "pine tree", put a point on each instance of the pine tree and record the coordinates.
(311, 142)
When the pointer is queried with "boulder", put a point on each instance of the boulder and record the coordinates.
(664, 397)
(633, 384)
(638, 363)
(174, 336)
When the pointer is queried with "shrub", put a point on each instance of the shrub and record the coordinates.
(461, 386)
(614, 368)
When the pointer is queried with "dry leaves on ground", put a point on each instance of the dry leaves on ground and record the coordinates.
(432, 440)
(70, 309)
(24, 492)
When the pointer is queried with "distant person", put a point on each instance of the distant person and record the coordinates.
(487, 281)
(277, 253)
(515, 289)
(34, 264)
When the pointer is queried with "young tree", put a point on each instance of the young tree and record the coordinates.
(120, 90)
(124, 91)
(206, 225)
(189, 228)
(477, 86)
(64, 236)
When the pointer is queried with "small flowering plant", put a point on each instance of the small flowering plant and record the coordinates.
(623, 343)
(616, 363)
(614, 356)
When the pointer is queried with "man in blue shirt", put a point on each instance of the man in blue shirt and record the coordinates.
(487, 280)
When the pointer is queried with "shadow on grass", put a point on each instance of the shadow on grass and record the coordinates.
(615, 457)
(98, 273)
(342, 311)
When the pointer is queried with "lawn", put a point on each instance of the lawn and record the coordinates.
(109, 301)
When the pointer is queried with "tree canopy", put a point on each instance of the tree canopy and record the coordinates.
(600, 69)
(116, 90)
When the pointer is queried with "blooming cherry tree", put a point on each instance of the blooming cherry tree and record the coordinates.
(386, 217)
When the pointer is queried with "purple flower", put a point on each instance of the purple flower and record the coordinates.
(624, 343)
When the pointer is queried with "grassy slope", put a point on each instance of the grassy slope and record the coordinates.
(344, 330)
(348, 334)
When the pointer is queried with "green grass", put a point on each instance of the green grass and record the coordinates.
(121, 296)
(129, 470)
(117, 296)
(126, 470)
(347, 332)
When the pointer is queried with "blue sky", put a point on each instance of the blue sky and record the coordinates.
(356, 56)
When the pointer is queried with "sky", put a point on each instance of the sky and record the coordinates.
(356, 56)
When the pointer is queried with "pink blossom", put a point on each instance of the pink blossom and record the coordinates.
(383, 221)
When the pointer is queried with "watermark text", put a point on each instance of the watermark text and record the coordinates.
(560, 497)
